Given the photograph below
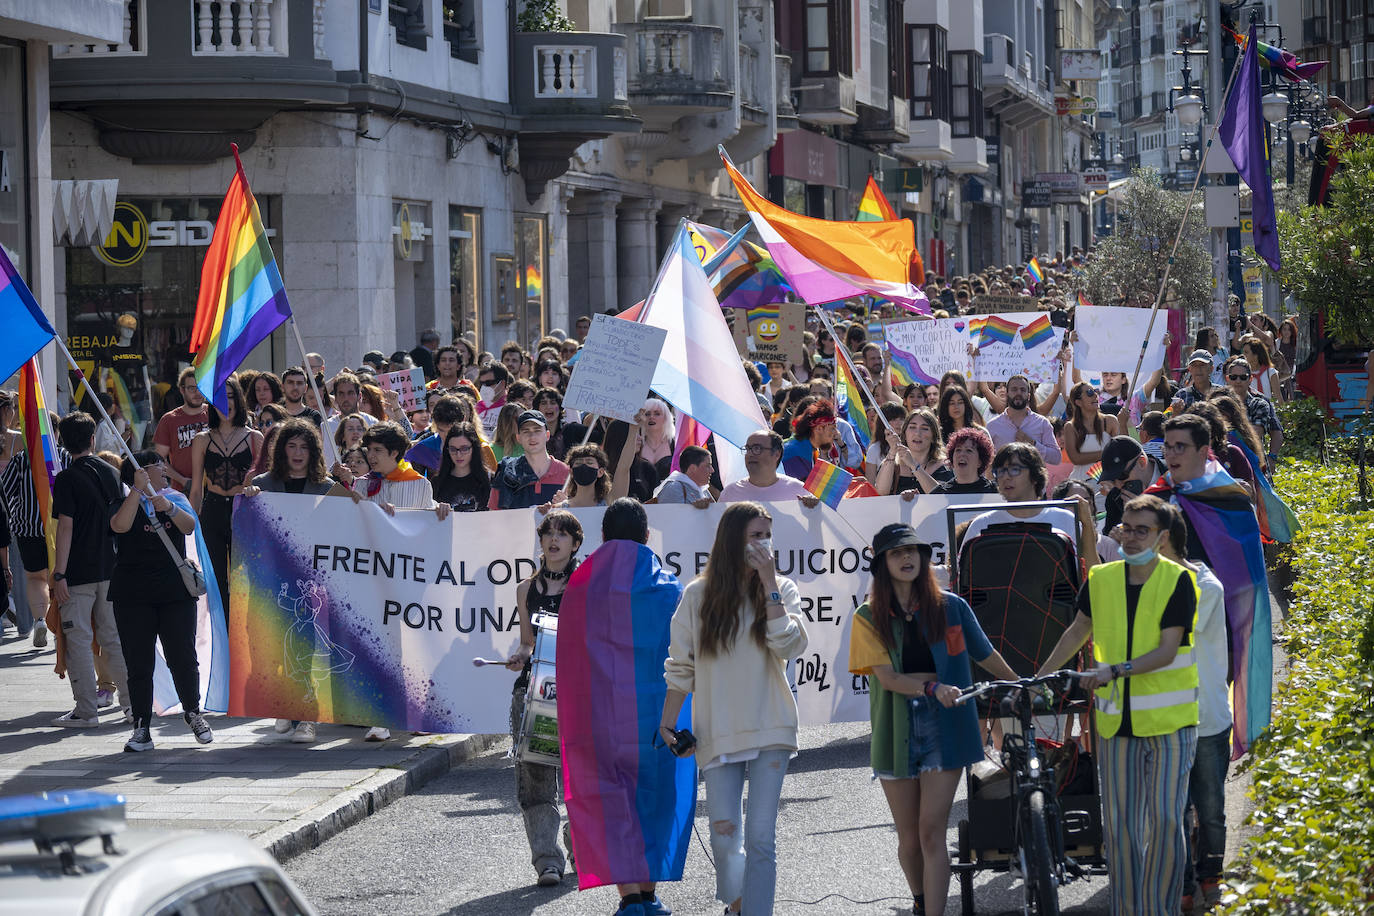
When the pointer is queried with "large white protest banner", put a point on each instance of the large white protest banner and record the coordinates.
(344, 614)
(997, 361)
(615, 368)
(1109, 338)
(925, 350)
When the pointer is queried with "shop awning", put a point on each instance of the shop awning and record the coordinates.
(83, 211)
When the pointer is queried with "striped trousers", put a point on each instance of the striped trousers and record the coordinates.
(1144, 783)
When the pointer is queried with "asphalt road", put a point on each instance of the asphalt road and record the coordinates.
(458, 847)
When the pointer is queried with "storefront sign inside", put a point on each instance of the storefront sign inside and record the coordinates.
(132, 234)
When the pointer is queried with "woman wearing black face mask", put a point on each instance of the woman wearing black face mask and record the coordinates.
(590, 484)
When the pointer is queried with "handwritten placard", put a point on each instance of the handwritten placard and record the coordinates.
(409, 385)
(1109, 338)
(615, 368)
(771, 334)
(926, 350)
(991, 303)
(998, 361)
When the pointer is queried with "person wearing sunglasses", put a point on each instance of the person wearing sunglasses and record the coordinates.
(1019, 472)
(1260, 410)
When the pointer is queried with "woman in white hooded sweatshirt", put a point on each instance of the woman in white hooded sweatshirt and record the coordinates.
(735, 629)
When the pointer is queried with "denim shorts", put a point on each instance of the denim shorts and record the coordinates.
(923, 751)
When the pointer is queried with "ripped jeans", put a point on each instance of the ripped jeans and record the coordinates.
(746, 860)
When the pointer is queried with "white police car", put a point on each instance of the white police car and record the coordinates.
(59, 854)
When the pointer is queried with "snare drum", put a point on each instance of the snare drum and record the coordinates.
(537, 740)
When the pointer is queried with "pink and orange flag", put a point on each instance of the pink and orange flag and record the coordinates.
(829, 260)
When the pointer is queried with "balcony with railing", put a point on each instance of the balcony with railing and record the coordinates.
(676, 69)
(889, 125)
(753, 99)
(569, 87)
(1003, 74)
(827, 100)
(198, 65)
(782, 92)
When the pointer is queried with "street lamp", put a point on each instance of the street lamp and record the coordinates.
(1274, 106)
(1301, 131)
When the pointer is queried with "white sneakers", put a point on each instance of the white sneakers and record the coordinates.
(304, 733)
(377, 733)
(282, 726)
(72, 720)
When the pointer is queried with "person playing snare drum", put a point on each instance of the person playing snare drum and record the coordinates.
(536, 785)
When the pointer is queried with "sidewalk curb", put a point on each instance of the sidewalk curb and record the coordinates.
(370, 795)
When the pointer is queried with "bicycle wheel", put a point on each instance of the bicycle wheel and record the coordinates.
(1041, 891)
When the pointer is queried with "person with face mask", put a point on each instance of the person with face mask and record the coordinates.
(1139, 613)
(735, 629)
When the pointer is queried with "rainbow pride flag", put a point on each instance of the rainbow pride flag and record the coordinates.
(975, 329)
(828, 483)
(828, 260)
(1037, 332)
(849, 399)
(41, 445)
(1081, 299)
(242, 299)
(1283, 62)
(874, 205)
(534, 284)
(769, 312)
(906, 369)
(1095, 472)
(1033, 268)
(741, 273)
(630, 801)
(1224, 519)
(998, 330)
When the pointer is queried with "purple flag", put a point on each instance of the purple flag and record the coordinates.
(1241, 131)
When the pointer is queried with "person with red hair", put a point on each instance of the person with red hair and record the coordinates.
(970, 452)
(813, 434)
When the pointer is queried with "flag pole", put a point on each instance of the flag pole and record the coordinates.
(840, 354)
(310, 377)
(1178, 237)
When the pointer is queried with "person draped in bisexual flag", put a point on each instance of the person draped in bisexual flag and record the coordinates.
(735, 629)
(630, 801)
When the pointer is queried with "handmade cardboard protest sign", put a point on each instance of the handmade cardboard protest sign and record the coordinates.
(991, 303)
(409, 385)
(922, 351)
(1002, 355)
(1109, 338)
(770, 333)
(615, 368)
(341, 613)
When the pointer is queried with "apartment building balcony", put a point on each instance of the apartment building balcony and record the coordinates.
(568, 88)
(1012, 89)
(782, 93)
(676, 70)
(827, 100)
(216, 71)
(890, 125)
(929, 140)
(970, 156)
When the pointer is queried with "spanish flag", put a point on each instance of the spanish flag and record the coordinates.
(829, 260)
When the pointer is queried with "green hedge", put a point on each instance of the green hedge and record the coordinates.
(1313, 772)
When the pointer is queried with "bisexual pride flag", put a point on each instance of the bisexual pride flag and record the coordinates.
(630, 801)
(828, 483)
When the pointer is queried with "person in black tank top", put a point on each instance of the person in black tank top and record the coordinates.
(536, 786)
(222, 460)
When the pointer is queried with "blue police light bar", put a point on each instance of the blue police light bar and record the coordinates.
(61, 817)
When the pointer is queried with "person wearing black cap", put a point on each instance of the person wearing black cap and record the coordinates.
(531, 479)
(1126, 472)
(913, 642)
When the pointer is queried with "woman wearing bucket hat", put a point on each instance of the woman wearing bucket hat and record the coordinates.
(913, 642)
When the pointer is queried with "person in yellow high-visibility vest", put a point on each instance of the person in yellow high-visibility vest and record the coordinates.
(1140, 612)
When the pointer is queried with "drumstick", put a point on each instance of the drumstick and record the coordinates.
(482, 662)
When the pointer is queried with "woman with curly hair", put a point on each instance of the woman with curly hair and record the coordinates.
(970, 454)
(813, 434)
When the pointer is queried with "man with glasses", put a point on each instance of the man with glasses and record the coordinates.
(178, 427)
(1259, 410)
(1019, 473)
(762, 452)
(492, 380)
(1139, 612)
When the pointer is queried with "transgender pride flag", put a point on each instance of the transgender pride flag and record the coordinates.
(699, 371)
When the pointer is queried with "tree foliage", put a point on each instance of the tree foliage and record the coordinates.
(1328, 252)
(542, 16)
(1130, 263)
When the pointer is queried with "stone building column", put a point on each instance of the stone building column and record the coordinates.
(592, 257)
(638, 249)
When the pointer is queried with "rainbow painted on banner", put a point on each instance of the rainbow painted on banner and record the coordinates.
(998, 330)
(1033, 268)
(1037, 332)
(769, 312)
(242, 299)
(41, 445)
(906, 369)
(828, 483)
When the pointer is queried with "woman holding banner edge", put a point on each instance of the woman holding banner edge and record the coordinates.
(913, 642)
